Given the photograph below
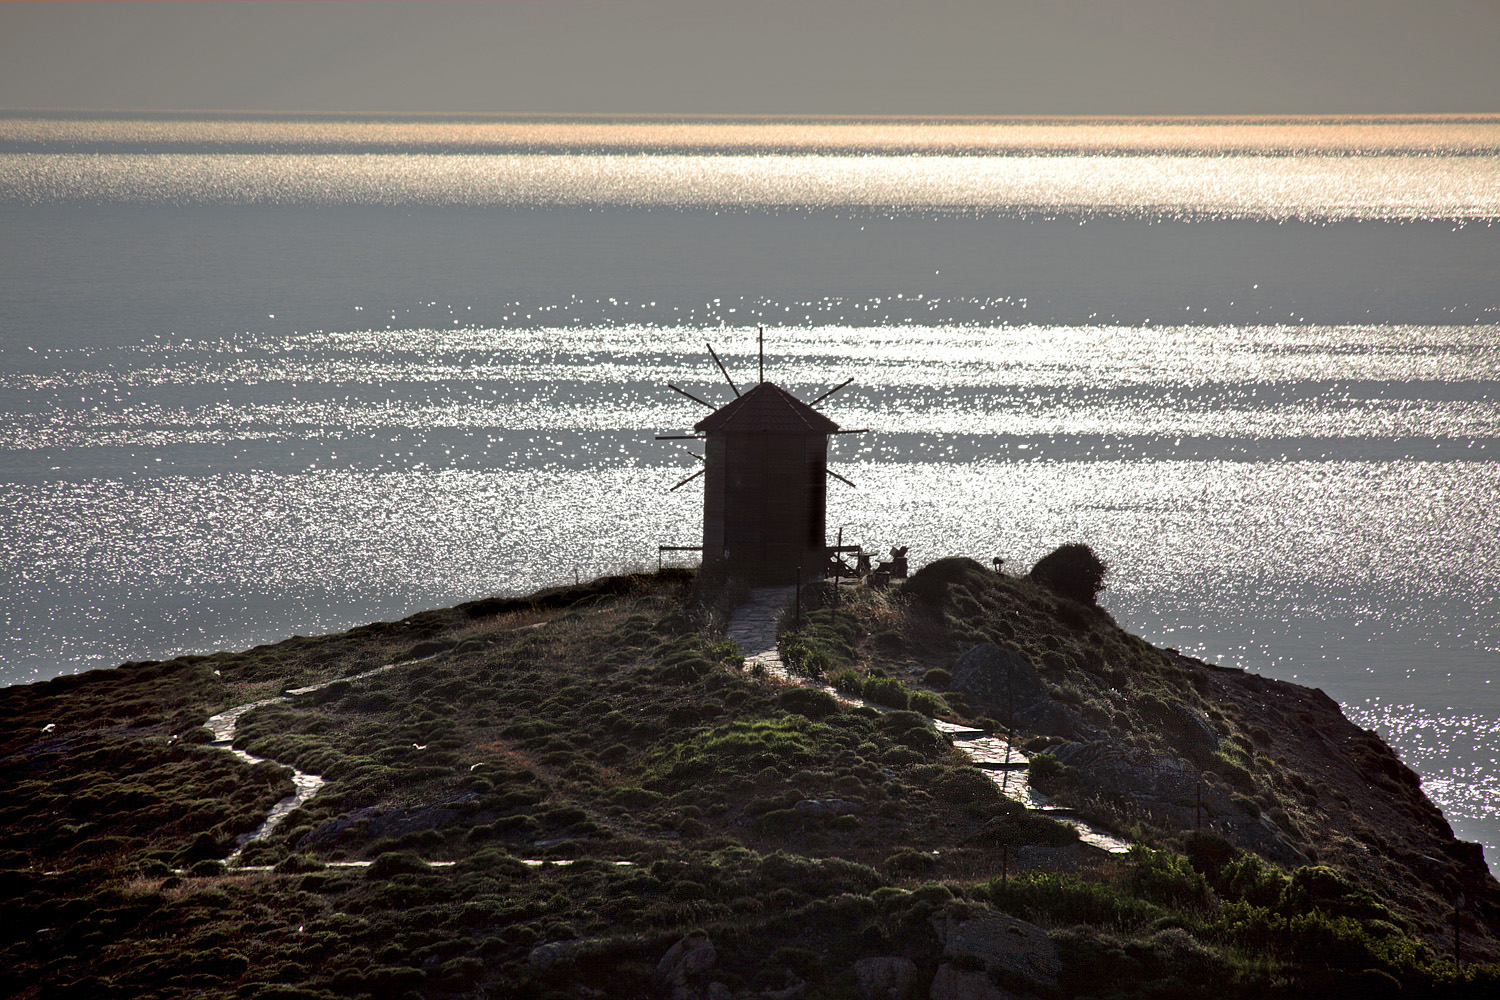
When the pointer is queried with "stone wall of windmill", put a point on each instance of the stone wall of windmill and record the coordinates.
(765, 489)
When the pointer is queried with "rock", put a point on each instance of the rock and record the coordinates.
(885, 978)
(953, 983)
(1000, 941)
(826, 807)
(1051, 718)
(1130, 770)
(549, 954)
(1195, 729)
(1002, 678)
(422, 650)
(792, 992)
(684, 962)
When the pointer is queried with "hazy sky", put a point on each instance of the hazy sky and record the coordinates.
(932, 57)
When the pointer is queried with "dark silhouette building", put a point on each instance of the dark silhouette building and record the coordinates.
(766, 484)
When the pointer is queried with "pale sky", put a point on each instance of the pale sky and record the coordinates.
(859, 57)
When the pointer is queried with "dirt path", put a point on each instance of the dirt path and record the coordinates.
(752, 628)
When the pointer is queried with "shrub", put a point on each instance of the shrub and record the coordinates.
(1167, 879)
(961, 784)
(1069, 900)
(1072, 571)
(1045, 772)
(726, 652)
(811, 702)
(396, 863)
(910, 863)
(937, 677)
(929, 585)
(848, 682)
(886, 691)
(928, 703)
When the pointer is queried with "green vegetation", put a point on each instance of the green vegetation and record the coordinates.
(1073, 571)
(544, 794)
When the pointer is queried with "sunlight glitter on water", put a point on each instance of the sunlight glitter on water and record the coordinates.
(1253, 187)
(1404, 392)
(1431, 134)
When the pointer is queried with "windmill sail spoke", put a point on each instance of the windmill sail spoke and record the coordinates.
(687, 480)
(840, 478)
(692, 397)
(830, 392)
(724, 370)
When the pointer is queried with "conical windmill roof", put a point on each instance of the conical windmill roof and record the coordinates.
(766, 409)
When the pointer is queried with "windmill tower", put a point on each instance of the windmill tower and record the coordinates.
(765, 472)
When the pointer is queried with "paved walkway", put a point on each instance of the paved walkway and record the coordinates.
(752, 628)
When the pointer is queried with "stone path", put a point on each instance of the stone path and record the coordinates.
(306, 785)
(752, 628)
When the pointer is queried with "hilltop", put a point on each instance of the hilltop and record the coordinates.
(585, 792)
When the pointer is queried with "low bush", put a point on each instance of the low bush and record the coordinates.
(847, 682)
(1070, 900)
(1167, 879)
(886, 691)
(910, 864)
(928, 704)
(396, 863)
(811, 702)
(1073, 571)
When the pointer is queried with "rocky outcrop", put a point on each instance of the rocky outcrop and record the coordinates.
(1000, 677)
(885, 978)
(1129, 770)
(998, 941)
(1007, 682)
(680, 973)
(953, 983)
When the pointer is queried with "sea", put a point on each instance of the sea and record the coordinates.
(269, 375)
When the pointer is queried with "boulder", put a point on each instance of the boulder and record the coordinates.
(1053, 718)
(1002, 678)
(549, 954)
(683, 966)
(1128, 770)
(885, 978)
(1000, 941)
(953, 983)
(1196, 731)
(794, 991)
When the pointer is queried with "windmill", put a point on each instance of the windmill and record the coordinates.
(765, 472)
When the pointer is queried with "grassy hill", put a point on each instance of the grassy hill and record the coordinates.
(547, 794)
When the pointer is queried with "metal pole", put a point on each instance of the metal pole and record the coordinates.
(1010, 726)
(838, 565)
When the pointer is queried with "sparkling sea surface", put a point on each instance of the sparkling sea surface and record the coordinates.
(269, 376)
